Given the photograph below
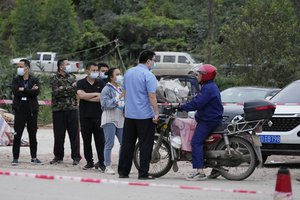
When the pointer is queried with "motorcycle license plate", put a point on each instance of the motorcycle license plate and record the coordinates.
(270, 139)
(256, 140)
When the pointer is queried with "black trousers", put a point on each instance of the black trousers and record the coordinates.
(66, 121)
(144, 130)
(91, 127)
(30, 119)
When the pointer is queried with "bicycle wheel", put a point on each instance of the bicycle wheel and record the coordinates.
(161, 162)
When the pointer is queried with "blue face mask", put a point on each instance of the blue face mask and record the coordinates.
(94, 75)
(20, 71)
(119, 79)
(68, 69)
(154, 66)
(102, 75)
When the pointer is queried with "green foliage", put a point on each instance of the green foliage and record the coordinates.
(91, 36)
(227, 82)
(6, 76)
(266, 35)
(261, 34)
(61, 27)
(45, 112)
(27, 25)
(145, 29)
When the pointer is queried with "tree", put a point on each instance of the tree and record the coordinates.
(61, 29)
(26, 25)
(266, 38)
(91, 36)
(145, 29)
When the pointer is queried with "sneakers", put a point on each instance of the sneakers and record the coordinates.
(196, 176)
(36, 161)
(89, 165)
(33, 161)
(55, 161)
(109, 170)
(101, 166)
(15, 162)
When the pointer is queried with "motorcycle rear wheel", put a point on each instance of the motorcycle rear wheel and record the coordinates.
(246, 168)
(161, 163)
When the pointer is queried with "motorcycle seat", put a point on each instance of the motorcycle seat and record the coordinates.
(221, 129)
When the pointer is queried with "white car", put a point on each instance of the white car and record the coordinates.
(174, 63)
(281, 134)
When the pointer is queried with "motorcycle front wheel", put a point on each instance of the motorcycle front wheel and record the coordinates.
(246, 167)
(161, 161)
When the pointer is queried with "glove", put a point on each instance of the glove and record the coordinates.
(179, 108)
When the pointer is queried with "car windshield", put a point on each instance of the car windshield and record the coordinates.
(192, 59)
(240, 95)
(289, 94)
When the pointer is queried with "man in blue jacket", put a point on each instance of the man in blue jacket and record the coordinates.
(209, 113)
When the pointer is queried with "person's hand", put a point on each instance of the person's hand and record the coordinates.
(155, 119)
(21, 89)
(121, 96)
(74, 84)
(35, 87)
(179, 108)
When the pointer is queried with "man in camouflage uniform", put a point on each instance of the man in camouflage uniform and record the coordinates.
(65, 112)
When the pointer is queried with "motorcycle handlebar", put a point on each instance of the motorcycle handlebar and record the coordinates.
(170, 109)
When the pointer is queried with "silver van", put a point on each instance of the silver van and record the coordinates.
(173, 63)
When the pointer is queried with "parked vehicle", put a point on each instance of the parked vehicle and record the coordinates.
(243, 94)
(232, 150)
(173, 63)
(281, 134)
(47, 62)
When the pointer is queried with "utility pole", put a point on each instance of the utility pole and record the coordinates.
(117, 43)
(210, 29)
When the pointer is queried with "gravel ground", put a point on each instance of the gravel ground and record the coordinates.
(263, 179)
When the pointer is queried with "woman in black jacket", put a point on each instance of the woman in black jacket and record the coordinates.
(25, 88)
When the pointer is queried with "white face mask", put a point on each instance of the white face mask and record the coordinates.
(119, 79)
(20, 71)
(68, 69)
(103, 76)
(94, 75)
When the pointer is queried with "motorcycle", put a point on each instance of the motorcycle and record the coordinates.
(232, 150)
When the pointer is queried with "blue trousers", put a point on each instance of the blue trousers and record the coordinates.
(201, 133)
(110, 131)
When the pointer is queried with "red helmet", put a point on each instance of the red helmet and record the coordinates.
(208, 72)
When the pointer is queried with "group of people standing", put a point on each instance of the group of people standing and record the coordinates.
(102, 113)
(110, 106)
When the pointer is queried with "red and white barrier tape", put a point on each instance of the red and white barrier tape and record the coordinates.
(41, 102)
(48, 103)
(116, 182)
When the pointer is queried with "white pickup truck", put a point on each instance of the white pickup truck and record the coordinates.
(47, 62)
